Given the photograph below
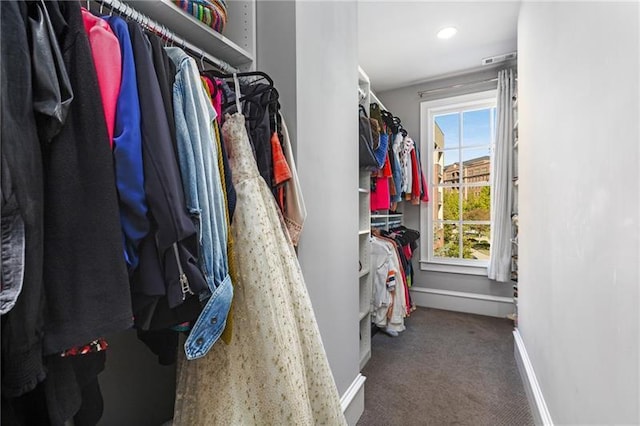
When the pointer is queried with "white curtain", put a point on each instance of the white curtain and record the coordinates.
(502, 197)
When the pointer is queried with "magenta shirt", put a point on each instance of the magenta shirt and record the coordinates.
(107, 59)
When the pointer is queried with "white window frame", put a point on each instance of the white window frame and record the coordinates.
(429, 109)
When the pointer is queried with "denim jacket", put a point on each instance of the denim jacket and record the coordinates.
(197, 155)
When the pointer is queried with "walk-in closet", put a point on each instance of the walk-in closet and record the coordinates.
(305, 212)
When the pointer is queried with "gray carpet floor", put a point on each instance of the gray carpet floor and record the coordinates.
(446, 368)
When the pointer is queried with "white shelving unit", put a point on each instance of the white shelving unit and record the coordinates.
(364, 240)
(386, 221)
(236, 46)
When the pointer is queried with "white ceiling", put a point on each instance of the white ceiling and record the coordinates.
(398, 43)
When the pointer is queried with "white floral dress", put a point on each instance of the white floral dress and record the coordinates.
(275, 371)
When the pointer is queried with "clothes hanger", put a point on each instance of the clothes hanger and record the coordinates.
(222, 75)
(273, 93)
(202, 61)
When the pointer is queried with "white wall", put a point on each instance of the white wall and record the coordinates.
(310, 50)
(405, 103)
(327, 84)
(579, 195)
(276, 53)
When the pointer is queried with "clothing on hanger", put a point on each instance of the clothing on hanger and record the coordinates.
(22, 293)
(295, 211)
(127, 151)
(275, 370)
(107, 58)
(168, 277)
(198, 160)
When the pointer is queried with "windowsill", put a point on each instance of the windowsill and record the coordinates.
(453, 268)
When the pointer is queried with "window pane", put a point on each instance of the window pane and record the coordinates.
(446, 240)
(450, 204)
(438, 167)
(437, 202)
(476, 165)
(476, 127)
(449, 125)
(476, 203)
(451, 170)
(475, 242)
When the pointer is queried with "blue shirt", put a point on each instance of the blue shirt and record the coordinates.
(198, 161)
(127, 150)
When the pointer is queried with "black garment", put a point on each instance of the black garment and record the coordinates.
(259, 131)
(257, 124)
(85, 275)
(22, 199)
(70, 391)
(166, 73)
(52, 93)
(158, 274)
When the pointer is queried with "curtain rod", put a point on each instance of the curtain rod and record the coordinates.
(457, 86)
(164, 32)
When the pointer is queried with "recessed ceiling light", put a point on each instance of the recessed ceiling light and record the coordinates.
(446, 33)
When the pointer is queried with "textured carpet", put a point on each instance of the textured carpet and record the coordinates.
(446, 368)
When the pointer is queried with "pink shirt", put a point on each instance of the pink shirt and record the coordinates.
(380, 198)
(107, 59)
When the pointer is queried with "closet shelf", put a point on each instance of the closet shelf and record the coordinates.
(363, 315)
(363, 232)
(363, 190)
(363, 272)
(194, 31)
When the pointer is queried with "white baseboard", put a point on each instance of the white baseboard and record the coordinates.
(472, 303)
(538, 406)
(352, 401)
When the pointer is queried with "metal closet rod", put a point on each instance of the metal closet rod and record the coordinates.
(377, 100)
(164, 32)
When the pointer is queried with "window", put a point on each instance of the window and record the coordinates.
(457, 136)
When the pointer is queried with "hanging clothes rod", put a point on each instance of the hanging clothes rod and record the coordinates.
(375, 99)
(164, 32)
(361, 94)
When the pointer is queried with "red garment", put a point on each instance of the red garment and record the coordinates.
(415, 178)
(107, 60)
(217, 100)
(281, 170)
(425, 188)
(386, 169)
(407, 251)
(380, 198)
